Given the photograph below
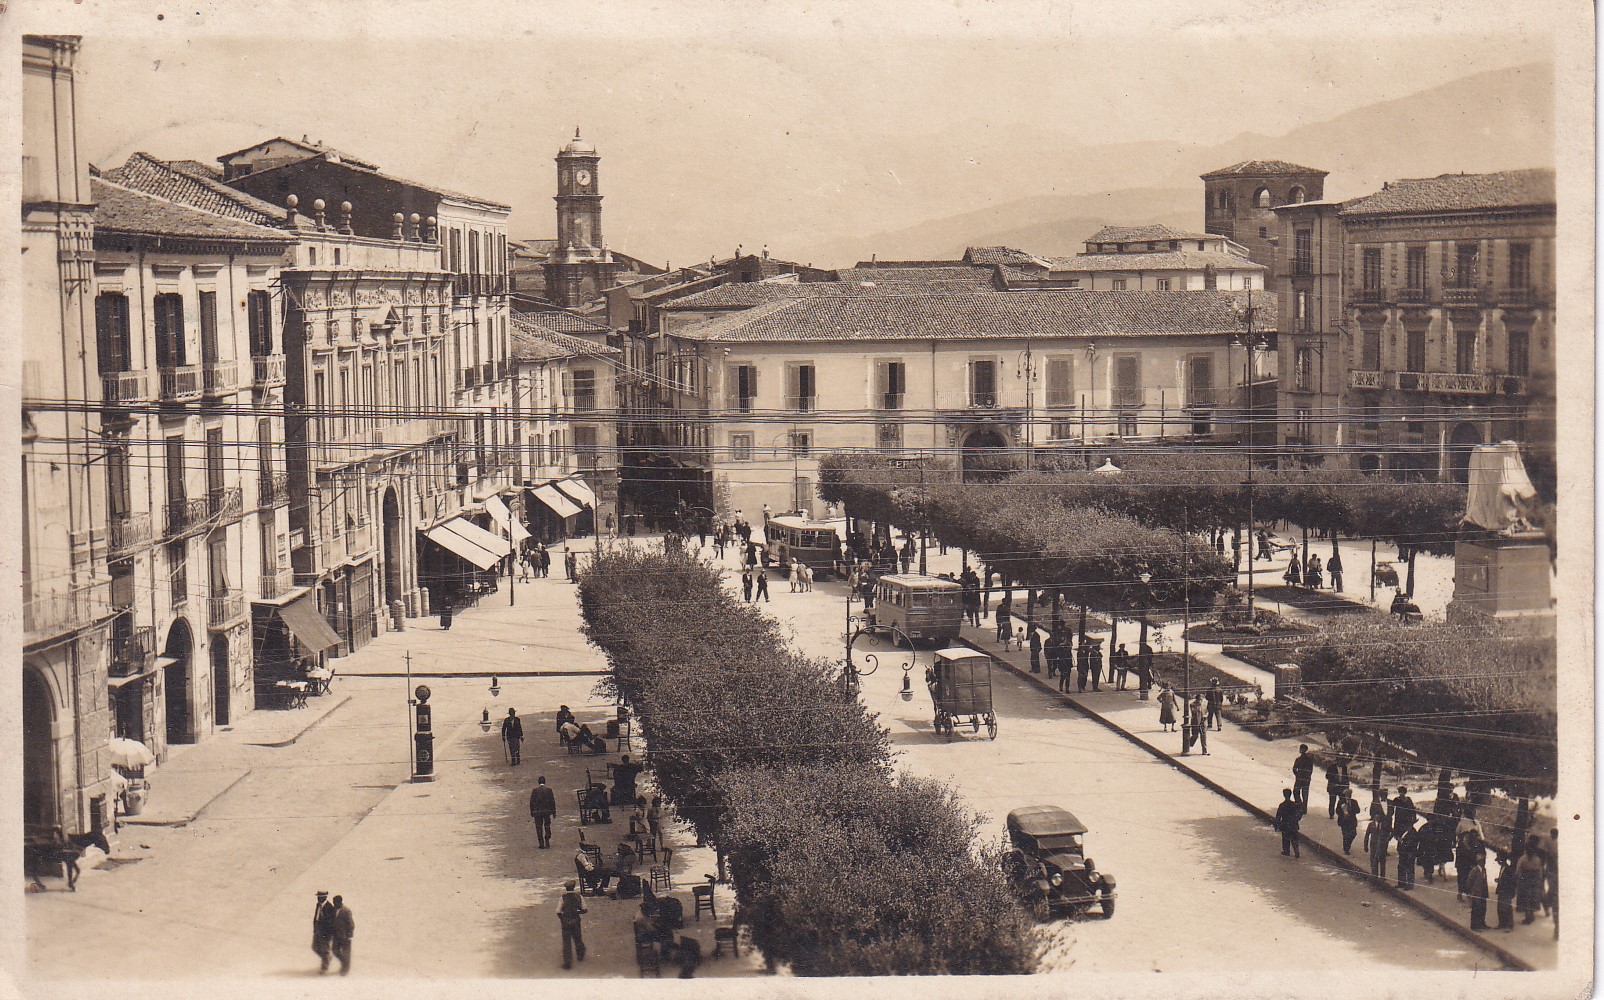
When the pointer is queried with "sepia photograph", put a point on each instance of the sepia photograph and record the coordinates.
(998, 474)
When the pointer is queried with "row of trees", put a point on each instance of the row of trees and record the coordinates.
(835, 857)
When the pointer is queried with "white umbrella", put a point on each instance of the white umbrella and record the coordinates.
(1108, 468)
(130, 753)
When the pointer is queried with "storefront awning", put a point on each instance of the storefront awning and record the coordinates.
(559, 504)
(503, 517)
(308, 625)
(453, 536)
(578, 491)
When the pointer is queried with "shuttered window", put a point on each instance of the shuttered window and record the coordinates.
(1060, 381)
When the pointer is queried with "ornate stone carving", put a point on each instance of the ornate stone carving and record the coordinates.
(339, 297)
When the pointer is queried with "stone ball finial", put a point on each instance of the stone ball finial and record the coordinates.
(317, 206)
(345, 206)
(292, 201)
(414, 218)
(399, 217)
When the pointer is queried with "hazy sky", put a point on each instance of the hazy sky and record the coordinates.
(708, 124)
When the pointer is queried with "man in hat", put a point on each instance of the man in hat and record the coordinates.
(344, 931)
(512, 734)
(568, 915)
(323, 930)
(542, 807)
(1287, 819)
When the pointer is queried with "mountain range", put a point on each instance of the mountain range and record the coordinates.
(1494, 120)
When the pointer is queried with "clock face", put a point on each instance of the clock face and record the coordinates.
(582, 177)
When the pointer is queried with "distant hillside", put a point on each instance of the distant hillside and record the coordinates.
(1499, 119)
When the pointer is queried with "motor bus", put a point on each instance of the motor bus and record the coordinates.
(814, 544)
(923, 607)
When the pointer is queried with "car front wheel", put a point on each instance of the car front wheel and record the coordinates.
(1108, 908)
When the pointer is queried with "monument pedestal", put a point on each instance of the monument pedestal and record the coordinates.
(1503, 580)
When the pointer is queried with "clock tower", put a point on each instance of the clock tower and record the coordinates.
(579, 268)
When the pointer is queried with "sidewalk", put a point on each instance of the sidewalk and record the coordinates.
(195, 775)
(1251, 771)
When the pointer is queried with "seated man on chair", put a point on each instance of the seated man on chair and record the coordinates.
(590, 741)
(565, 720)
(591, 875)
(596, 805)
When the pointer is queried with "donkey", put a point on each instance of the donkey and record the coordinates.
(65, 850)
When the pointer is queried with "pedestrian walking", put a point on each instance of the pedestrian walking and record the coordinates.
(1166, 707)
(762, 585)
(1467, 846)
(1005, 609)
(1120, 661)
(1336, 784)
(323, 931)
(746, 584)
(1294, 574)
(1334, 567)
(970, 583)
(1403, 813)
(542, 807)
(1529, 880)
(907, 554)
(344, 931)
(1264, 545)
(768, 515)
(1144, 670)
(1377, 835)
(512, 734)
(795, 574)
(1095, 663)
(1035, 650)
(1216, 702)
(1083, 664)
(1408, 853)
(1311, 574)
(445, 614)
(1302, 774)
(569, 913)
(807, 578)
(571, 566)
(1476, 888)
(1196, 715)
(1505, 892)
(1348, 820)
(545, 560)
(1287, 817)
(654, 819)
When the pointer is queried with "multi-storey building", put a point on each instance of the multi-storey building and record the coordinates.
(67, 603)
(1308, 280)
(760, 393)
(1240, 201)
(1450, 322)
(580, 267)
(1141, 258)
(194, 486)
(566, 398)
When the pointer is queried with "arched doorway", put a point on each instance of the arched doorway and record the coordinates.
(390, 515)
(39, 791)
(983, 454)
(1465, 437)
(220, 680)
(1369, 464)
(180, 649)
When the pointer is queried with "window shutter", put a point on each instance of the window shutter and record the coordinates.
(732, 386)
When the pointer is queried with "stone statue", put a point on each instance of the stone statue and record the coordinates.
(1500, 491)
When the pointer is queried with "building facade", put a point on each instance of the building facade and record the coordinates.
(67, 604)
(760, 394)
(1240, 202)
(1450, 322)
(1309, 280)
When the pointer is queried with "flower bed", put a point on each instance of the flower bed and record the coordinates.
(834, 856)
(1266, 627)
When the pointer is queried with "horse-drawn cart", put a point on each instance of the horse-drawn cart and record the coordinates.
(960, 687)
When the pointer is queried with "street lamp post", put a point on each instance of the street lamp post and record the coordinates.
(859, 625)
(1027, 372)
(1250, 342)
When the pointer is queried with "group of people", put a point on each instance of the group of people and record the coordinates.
(1311, 572)
(1196, 715)
(534, 561)
(333, 927)
(572, 731)
(1424, 844)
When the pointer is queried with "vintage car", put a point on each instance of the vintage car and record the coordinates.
(1048, 866)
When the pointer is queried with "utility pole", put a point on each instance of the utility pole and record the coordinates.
(411, 761)
(1186, 603)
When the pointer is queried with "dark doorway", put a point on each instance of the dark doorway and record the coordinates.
(984, 456)
(39, 792)
(391, 517)
(220, 680)
(1460, 444)
(180, 649)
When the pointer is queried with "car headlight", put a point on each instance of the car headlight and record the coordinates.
(1057, 879)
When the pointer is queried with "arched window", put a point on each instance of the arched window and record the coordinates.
(1296, 196)
(1261, 198)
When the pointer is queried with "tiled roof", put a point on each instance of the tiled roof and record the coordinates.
(908, 263)
(1140, 234)
(562, 321)
(1163, 260)
(1262, 168)
(197, 167)
(434, 189)
(121, 209)
(535, 336)
(954, 272)
(1459, 192)
(997, 255)
(177, 181)
(535, 248)
(987, 315)
(744, 295)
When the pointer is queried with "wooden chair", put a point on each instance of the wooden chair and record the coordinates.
(661, 878)
(593, 852)
(703, 895)
(646, 957)
(585, 888)
(646, 844)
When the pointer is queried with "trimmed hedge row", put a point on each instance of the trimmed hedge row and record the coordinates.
(836, 859)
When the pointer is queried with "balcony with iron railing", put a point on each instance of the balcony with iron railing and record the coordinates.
(273, 586)
(132, 653)
(891, 400)
(1411, 296)
(467, 377)
(359, 538)
(1462, 297)
(1369, 295)
(181, 383)
(186, 516)
(801, 404)
(224, 504)
(1516, 297)
(224, 608)
(219, 377)
(267, 370)
(125, 387)
(52, 614)
(129, 532)
(487, 372)
(272, 488)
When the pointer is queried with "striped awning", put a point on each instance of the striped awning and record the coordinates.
(469, 541)
(499, 513)
(577, 491)
(559, 504)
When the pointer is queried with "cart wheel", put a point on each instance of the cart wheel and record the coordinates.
(975, 721)
(991, 726)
